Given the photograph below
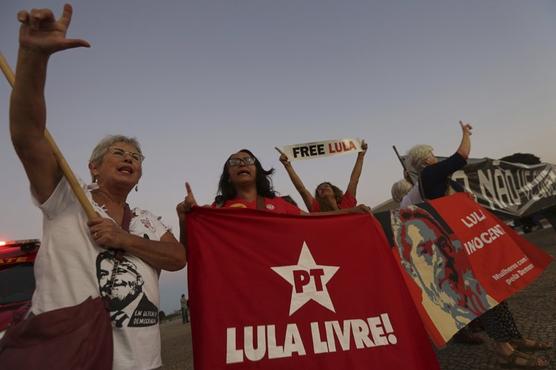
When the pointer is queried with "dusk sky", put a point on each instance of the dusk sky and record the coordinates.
(197, 80)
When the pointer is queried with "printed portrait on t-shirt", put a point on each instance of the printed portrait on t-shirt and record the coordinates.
(123, 286)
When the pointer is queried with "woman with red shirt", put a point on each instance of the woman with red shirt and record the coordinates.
(327, 196)
(244, 183)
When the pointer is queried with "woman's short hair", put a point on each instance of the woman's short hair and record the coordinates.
(400, 189)
(102, 147)
(263, 180)
(418, 155)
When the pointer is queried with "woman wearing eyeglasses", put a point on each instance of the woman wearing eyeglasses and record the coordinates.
(76, 259)
(244, 183)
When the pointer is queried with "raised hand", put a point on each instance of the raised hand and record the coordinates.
(364, 147)
(189, 201)
(465, 146)
(283, 157)
(40, 31)
(465, 128)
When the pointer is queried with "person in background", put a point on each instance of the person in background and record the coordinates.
(184, 309)
(400, 189)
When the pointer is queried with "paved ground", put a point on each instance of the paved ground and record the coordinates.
(534, 310)
(176, 346)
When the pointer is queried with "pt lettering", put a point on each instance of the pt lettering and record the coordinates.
(302, 278)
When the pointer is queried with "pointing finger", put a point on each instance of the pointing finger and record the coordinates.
(279, 151)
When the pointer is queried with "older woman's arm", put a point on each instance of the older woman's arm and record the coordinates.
(166, 254)
(434, 176)
(357, 169)
(440, 170)
(465, 145)
(40, 36)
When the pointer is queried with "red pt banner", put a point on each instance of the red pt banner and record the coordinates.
(289, 292)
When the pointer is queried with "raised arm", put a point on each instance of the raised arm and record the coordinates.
(356, 172)
(296, 180)
(465, 146)
(40, 35)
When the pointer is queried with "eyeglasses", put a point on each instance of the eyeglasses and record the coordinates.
(119, 152)
(247, 161)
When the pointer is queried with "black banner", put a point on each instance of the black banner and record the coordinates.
(511, 189)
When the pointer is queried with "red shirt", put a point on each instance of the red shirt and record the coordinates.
(277, 205)
(347, 201)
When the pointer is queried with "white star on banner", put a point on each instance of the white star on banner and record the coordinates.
(308, 281)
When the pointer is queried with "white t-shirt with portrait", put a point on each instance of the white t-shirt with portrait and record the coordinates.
(70, 267)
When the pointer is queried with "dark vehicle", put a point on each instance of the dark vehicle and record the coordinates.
(17, 281)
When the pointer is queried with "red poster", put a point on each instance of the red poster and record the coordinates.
(503, 261)
(458, 261)
(290, 292)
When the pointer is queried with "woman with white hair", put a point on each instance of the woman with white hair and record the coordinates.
(434, 182)
(433, 176)
(78, 258)
(400, 189)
